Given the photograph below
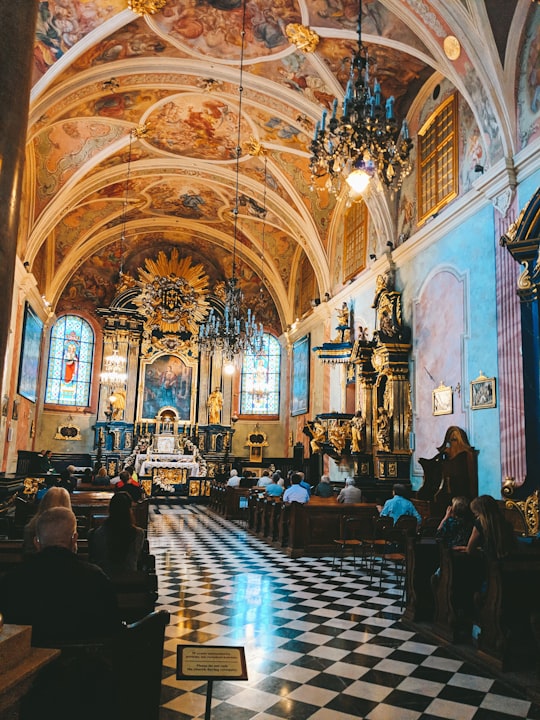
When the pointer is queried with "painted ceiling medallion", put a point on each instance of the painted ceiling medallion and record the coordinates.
(452, 48)
(173, 300)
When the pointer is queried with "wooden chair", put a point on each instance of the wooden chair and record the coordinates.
(348, 541)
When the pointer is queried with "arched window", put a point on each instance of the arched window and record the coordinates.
(259, 392)
(70, 362)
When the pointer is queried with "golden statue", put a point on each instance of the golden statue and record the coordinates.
(358, 429)
(318, 436)
(118, 404)
(337, 436)
(214, 405)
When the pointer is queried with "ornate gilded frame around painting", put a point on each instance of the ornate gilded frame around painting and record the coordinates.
(156, 392)
(442, 400)
(300, 376)
(483, 393)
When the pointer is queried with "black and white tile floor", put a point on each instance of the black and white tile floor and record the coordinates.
(318, 644)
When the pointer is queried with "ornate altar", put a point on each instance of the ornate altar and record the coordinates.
(376, 436)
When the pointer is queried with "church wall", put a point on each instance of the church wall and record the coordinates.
(469, 317)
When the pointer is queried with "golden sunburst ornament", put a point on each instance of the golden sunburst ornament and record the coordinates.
(173, 294)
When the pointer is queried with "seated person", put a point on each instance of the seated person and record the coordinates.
(248, 480)
(101, 477)
(274, 489)
(296, 493)
(63, 598)
(456, 526)
(68, 479)
(234, 479)
(44, 464)
(117, 544)
(132, 474)
(304, 483)
(88, 476)
(491, 535)
(350, 493)
(129, 485)
(265, 479)
(54, 497)
(324, 487)
(399, 505)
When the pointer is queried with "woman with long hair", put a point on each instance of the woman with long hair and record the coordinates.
(116, 546)
(491, 532)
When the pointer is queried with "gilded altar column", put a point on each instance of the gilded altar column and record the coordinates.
(17, 32)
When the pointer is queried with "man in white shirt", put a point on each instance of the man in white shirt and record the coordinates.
(265, 479)
(234, 479)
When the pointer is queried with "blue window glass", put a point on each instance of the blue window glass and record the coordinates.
(259, 392)
(71, 357)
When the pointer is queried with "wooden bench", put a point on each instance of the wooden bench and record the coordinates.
(308, 529)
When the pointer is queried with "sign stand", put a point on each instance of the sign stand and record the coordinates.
(210, 662)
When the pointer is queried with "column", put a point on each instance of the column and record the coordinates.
(17, 31)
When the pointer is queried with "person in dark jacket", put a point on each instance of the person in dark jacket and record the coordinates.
(64, 598)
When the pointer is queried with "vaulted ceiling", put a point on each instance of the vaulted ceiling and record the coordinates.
(102, 71)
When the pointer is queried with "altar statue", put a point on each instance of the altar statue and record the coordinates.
(214, 405)
(358, 428)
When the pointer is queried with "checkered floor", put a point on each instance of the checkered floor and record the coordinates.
(319, 644)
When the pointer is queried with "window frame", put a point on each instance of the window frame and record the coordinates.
(49, 404)
(435, 157)
(263, 416)
(359, 233)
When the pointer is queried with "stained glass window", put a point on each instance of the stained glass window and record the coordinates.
(259, 393)
(70, 362)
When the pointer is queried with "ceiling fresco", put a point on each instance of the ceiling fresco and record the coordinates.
(102, 72)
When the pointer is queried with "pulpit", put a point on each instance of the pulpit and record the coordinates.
(452, 471)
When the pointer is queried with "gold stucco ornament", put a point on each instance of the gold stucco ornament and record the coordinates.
(305, 39)
(146, 7)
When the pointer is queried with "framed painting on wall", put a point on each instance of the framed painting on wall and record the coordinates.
(300, 377)
(30, 354)
(442, 400)
(483, 393)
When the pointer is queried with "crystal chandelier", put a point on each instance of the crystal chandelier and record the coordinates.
(366, 140)
(114, 373)
(235, 331)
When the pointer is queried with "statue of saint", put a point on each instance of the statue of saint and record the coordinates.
(358, 428)
(336, 436)
(383, 430)
(318, 436)
(214, 405)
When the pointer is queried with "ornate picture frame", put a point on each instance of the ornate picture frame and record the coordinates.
(30, 354)
(442, 400)
(483, 393)
(300, 377)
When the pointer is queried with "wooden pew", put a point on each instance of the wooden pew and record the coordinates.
(509, 611)
(422, 560)
(11, 553)
(311, 529)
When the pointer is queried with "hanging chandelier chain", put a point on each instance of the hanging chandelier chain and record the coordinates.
(239, 137)
(125, 205)
(235, 331)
